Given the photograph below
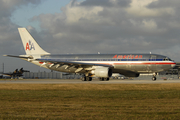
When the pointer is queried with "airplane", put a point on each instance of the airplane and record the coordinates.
(93, 65)
(16, 73)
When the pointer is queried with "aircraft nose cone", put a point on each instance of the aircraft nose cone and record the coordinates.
(173, 65)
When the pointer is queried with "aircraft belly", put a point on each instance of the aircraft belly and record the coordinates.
(163, 67)
(135, 68)
(143, 68)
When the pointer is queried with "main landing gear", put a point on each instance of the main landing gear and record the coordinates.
(154, 76)
(86, 78)
(104, 79)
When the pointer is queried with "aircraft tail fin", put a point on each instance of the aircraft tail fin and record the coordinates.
(22, 71)
(15, 71)
(31, 47)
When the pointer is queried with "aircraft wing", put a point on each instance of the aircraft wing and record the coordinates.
(8, 74)
(76, 64)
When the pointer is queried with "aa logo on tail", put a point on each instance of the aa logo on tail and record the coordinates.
(30, 46)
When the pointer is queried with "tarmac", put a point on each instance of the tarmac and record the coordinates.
(78, 81)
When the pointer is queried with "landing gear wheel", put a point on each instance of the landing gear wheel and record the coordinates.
(90, 78)
(83, 78)
(86, 78)
(101, 79)
(104, 79)
(154, 78)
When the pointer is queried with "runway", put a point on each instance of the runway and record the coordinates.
(78, 81)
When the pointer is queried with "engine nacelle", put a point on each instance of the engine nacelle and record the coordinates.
(104, 72)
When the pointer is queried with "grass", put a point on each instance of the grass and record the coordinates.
(90, 101)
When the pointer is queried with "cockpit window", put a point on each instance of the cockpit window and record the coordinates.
(167, 59)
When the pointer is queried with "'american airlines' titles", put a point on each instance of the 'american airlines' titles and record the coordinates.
(127, 56)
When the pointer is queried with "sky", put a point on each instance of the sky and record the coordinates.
(89, 26)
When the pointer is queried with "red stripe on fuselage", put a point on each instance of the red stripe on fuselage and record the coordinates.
(148, 63)
(142, 63)
(43, 62)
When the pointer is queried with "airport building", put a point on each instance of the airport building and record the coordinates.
(49, 75)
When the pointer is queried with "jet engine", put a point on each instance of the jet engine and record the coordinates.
(103, 72)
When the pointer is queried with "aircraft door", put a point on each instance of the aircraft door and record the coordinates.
(153, 63)
(153, 58)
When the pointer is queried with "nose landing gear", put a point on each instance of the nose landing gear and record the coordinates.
(154, 76)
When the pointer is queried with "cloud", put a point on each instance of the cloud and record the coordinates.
(105, 3)
(8, 30)
(143, 8)
(158, 4)
(110, 26)
(9, 38)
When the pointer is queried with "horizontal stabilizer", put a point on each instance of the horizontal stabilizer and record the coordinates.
(20, 56)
